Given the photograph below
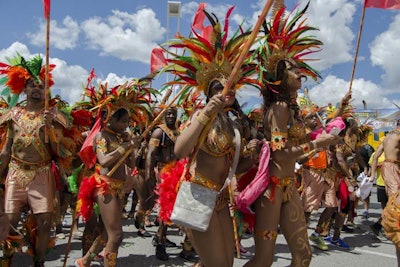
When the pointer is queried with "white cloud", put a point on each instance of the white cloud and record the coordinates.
(333, 19)
(384, 53)
(123, 35)
(68, 80)
(332, 89)
(11, 51)
(62, 37)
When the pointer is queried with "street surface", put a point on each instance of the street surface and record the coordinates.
(137, 251)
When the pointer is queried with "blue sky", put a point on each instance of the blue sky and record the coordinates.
(116, 38)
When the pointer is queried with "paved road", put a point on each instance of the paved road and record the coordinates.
(137, 251)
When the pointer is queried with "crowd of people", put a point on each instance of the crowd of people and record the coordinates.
(292, 160)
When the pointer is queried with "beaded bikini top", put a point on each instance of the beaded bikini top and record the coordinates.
(218, 142)
(297, 132)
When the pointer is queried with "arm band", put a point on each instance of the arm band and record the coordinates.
(121, 150)
(278, 139)
(154, 142)
(202, 118)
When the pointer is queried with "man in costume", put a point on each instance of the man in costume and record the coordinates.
(28, 155)
(318, 173)
(318, 184)
(390, 169)
(160, 152)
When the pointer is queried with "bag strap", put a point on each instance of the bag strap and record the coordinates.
(235, 160)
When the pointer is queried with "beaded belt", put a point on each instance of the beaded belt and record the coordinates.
(204, 181)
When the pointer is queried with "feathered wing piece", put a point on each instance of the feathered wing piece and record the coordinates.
(18, 71)
(285, 39)
(209, 56)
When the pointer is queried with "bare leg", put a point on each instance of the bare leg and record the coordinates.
(110, 210)
(266, 227)
(14, 219)
(324, 220)
(294, 228)
(98, 245)
(43, 234)
(398, 256)
(220, 232)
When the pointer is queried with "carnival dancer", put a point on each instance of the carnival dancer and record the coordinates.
(349, 157)
(318, 173)
(391, 174)
(318, 185)
(30, 158)
(280, 204)
(114, 148)
(208, 68)
(344, 161)
(161, 152)
(380, 186)
(390, 167)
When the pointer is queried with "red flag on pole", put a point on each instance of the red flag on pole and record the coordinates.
(87, 154)
(198, 22)
(157, 59)
(46, 4)
(385, 4)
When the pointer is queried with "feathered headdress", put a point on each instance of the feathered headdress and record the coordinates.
(18, 71)
(285, 40)
(135, 96)
(211, 55)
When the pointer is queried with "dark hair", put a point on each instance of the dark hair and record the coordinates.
(214, 84)
(120, 113)
(273, 93)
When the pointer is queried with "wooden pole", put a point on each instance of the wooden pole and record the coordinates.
(357, 48)
(68, 247)
(247, 46)
(235, 231)
(46, 82)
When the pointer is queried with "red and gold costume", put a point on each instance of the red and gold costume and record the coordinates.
(319, 183)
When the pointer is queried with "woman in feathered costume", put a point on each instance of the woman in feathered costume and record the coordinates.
(123, 105)
(282, 67)
(208, 68)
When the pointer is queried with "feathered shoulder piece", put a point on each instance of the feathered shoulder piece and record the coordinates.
(286, 39)
(209, 54)
(17, 71)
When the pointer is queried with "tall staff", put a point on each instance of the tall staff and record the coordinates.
(46, 4)
(394, 4)
(357, 48)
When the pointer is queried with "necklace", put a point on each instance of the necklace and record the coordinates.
(31, 121)
(117, 135)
